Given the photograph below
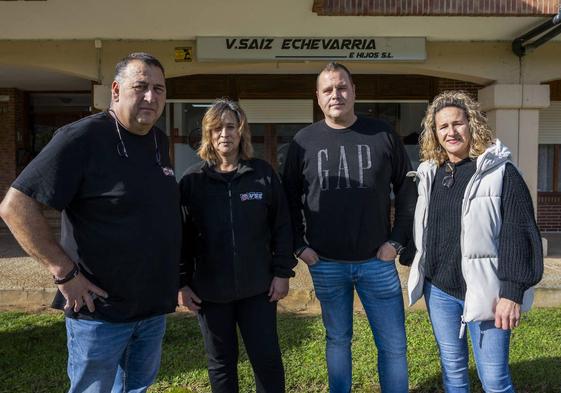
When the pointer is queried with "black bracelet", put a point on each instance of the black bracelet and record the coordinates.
(71, 274)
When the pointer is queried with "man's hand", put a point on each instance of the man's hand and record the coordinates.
(278, 289)
(309, 256)
(386, 252)
(187, 298)
(507, 314)
(79, 292)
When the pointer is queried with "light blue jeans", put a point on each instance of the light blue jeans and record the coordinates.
(490, 345)
(379, 290)
(113, 357)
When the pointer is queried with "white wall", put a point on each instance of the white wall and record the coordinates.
(464, 61)
(185, 19)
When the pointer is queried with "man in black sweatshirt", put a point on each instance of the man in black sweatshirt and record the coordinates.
(338, 177)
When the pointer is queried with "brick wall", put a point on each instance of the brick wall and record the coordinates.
(549, 212)
(549, 205)
(443, 84)
(9, 114)
(435, 7)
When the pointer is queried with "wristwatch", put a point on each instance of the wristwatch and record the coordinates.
(398, 247)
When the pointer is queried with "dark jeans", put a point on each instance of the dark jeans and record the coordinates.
(256, 318)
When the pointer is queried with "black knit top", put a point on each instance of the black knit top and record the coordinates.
(520, 257)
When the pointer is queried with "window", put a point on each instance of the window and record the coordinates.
(404, 116)
(182, 121)
(549, 168)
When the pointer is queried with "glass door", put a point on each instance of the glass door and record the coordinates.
(270, 141)
(405, 117)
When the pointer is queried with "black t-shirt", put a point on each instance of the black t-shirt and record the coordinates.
(121, 218)
(341, 179)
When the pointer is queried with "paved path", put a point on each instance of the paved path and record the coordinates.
(20, 273)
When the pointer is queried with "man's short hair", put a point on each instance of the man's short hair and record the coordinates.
(334, 66)
(144, 57)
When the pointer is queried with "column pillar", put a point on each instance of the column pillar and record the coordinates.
(513, 111)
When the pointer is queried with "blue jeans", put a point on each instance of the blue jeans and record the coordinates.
(379, 290)
(114, 357)
(490, 345)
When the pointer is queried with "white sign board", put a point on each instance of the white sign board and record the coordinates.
(311, 48)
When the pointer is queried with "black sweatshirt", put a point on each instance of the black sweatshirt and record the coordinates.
(518, 267)
(237, 233)
(340, 179)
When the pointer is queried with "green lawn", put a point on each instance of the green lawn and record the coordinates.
(33, 355)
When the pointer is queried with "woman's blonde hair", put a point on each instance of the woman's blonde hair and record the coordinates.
(213, 120)
(481, 134)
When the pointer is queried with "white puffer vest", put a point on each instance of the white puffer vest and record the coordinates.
(481, 226)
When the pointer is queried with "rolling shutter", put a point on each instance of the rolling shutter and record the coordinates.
(550, 124)
(278, 111)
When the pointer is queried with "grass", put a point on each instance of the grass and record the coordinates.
(33, 355)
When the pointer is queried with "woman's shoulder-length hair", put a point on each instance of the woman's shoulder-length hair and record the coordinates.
(213, 119)
(481, 135)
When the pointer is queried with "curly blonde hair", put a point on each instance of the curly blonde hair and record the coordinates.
(213, 119)
(482, 136)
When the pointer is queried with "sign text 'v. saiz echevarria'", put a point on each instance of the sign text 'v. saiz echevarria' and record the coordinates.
(311, 48)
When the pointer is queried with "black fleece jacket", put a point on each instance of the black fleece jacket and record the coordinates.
(237, 234)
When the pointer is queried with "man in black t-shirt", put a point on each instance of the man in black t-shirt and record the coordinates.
(337, 177)
(117, 264)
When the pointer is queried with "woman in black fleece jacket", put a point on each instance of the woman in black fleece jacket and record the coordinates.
(237, 257)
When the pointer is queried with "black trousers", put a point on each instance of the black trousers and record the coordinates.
(256, 318)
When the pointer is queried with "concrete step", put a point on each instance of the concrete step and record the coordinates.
(26, 283)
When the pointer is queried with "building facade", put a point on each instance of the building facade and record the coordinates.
(57, 59)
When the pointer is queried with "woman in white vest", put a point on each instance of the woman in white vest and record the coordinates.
(478, 246)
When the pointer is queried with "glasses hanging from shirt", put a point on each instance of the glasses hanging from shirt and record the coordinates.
(450, 170)
(121, 147)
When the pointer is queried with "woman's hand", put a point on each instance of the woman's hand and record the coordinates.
(278, 289)
(507, 314)
(187, 298)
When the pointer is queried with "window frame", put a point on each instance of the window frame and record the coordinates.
(555, 184)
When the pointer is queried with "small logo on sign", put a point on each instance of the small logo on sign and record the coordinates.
(184, 54)
(251, 196)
